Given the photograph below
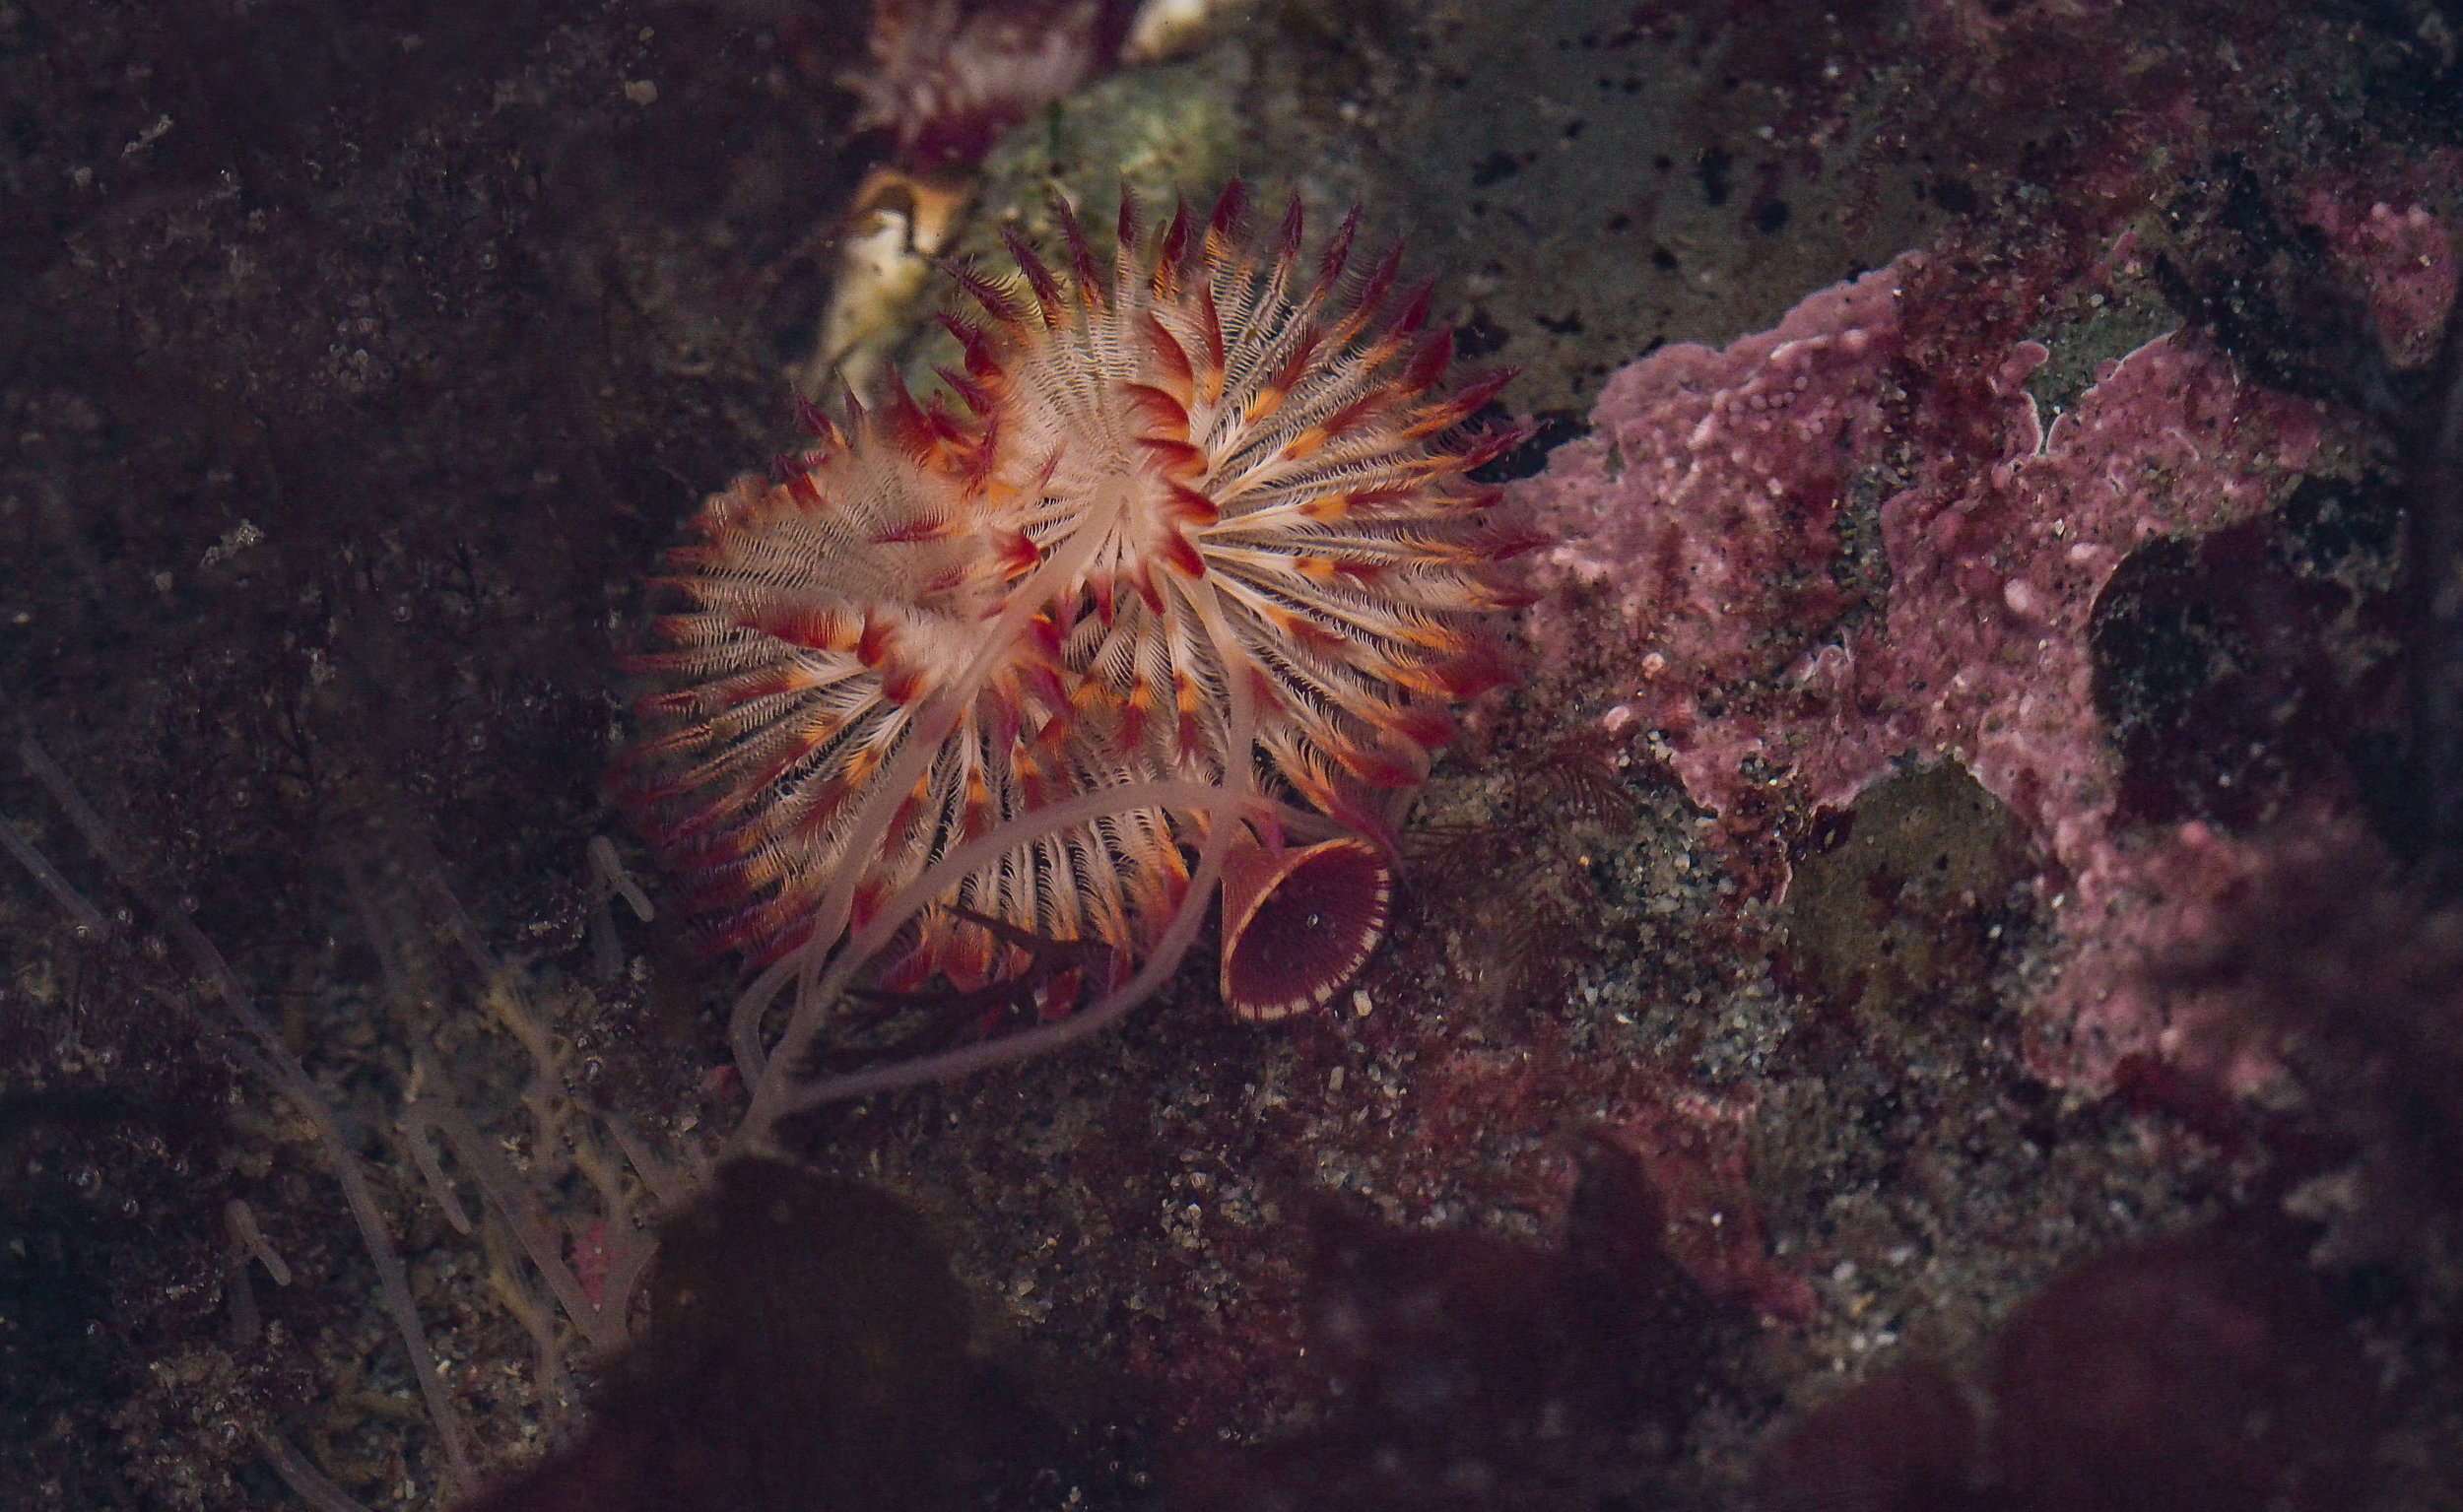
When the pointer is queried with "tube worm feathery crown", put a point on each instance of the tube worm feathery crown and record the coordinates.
(1197, 520)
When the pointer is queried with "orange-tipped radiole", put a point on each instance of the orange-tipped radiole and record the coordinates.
(1186, 560)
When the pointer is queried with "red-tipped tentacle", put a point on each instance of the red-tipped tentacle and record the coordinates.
(1080, 256)
(1047, 296)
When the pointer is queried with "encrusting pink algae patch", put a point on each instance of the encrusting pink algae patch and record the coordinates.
(1706, 543)
(1701, 514)
(2404, 264)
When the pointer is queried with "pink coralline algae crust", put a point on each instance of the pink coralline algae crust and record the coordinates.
(1983, 654)
(1702, 510)
(1702, 544)
(2404, 264)
(1995, 571)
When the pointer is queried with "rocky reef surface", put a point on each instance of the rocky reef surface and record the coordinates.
(1923, 994)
